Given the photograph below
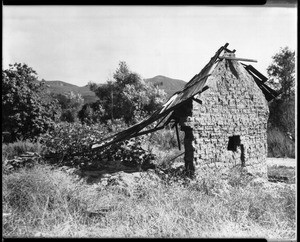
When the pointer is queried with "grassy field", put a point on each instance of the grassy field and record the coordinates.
(47, 202)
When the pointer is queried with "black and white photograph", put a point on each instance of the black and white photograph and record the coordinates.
(149, 121)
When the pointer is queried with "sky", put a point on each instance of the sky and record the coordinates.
(78, 44)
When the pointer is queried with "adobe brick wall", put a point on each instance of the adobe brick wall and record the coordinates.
(233, 105)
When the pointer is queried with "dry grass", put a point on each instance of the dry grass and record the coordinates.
(19, 147)
(48, 202)
(283, 171)
(166, 139)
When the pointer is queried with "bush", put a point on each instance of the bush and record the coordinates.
(91, 113)
(66, 140)
(70, 144)
(279, 144)
(166, 139)
(27, 110)
(131, 153)
(70, 104)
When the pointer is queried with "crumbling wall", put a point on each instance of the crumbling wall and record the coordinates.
(229, 128)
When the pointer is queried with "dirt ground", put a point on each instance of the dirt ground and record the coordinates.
(289, 162)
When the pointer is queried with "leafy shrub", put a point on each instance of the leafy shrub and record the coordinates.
(91, 113)
(70, 104)
(28, 110)
(70, 144)
(279, 144)
(65, 140)
(132, 154)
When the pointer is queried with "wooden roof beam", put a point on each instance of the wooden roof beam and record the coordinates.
(237, 59)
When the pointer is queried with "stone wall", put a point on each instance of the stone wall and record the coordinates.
(227, 126)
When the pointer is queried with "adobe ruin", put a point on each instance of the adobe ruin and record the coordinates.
(223, 111)
(226, 125)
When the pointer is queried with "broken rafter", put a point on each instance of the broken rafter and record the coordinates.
(267, 91)
(95, 146)
(237, 59)
(260, 80)
(197, 100)
(230, 51)
(168, 114)
(208, 66)
(146, 132)
(256, 72)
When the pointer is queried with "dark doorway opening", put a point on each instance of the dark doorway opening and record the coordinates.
(234, 142)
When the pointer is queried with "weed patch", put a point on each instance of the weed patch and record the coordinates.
(283, 171)
(10, 150)
(48, 202)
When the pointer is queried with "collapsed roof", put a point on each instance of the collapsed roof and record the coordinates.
(195, 86)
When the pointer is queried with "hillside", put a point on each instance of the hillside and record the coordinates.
(168, 84)
(57, 87)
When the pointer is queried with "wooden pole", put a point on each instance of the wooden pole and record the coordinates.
(177, 134)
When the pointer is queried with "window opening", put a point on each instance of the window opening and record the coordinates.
(234, 142)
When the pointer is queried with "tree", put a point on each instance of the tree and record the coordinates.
(127, 96)
(27, 110)
(282, 77)
(141, 100)
(70, 104)
(282, 73)
(91, 113)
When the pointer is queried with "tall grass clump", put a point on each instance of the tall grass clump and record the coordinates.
(19, 147)
(164, 144)
(38, 199)
(251, 208)
(166, 139)
(279, 144)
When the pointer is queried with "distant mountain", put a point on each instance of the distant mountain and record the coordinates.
(57, 87)
(168, 84)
